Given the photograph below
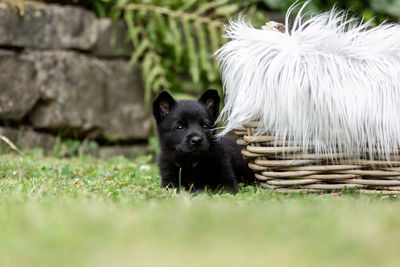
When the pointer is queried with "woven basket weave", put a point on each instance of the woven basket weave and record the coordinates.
(286, 168)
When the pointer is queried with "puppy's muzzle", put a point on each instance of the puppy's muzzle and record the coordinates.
(196, 140)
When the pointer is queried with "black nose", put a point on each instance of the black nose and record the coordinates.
(195, 140)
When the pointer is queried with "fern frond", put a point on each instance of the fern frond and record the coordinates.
(212, 31)
(226, 10)
(147, 63)
(204, 57)
(210, 5)
(159, 84)
(133, 32)
(187, 5)
(152, 69)
(194, 68)
(178, 48)
(153, 74)
(171, 13)
(143, 46)
(151, 29)
(162, 26)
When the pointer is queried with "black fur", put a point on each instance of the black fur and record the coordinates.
(188, 143)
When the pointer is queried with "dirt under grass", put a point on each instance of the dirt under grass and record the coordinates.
(90, 212)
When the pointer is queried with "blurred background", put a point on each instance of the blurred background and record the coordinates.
(78, 76)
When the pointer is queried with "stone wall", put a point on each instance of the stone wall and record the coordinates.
(59, 75)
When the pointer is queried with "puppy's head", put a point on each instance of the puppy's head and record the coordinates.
(186, 127)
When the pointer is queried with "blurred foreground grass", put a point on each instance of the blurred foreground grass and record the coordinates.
(90, 212)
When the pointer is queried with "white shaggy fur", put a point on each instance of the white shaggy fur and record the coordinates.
(328, 82)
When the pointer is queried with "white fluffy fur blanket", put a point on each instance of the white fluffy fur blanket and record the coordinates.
(328, 82)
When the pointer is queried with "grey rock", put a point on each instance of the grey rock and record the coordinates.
(26, 138)
(86, 93)
(18, 88)
(125, 114)
(48, 26)
(71, 86)
(111, 41)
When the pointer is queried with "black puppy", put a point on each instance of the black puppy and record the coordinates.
(191, 155)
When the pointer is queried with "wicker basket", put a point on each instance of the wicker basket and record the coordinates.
(286, 169)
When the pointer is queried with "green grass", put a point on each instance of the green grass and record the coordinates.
(90, 212)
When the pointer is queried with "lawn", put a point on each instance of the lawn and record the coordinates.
(84, 211)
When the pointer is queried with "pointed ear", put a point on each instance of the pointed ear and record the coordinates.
(211, 100)
(162, 106)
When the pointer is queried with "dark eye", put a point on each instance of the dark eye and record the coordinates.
(179, 127)
(206, 126)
